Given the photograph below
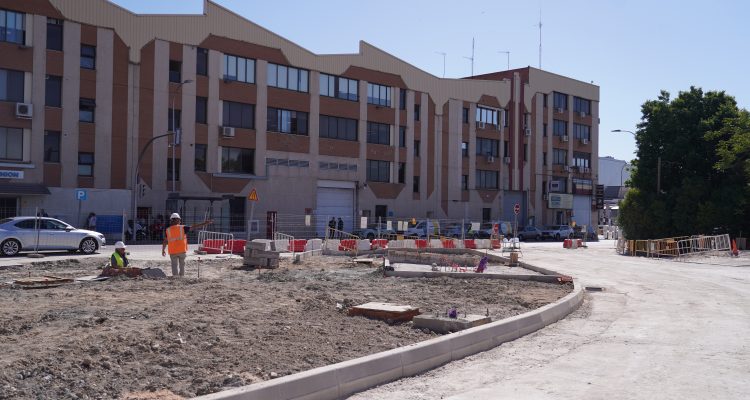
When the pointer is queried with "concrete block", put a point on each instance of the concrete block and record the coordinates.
(459, 244)
(315, 384)
(426, 355)
(314, 244)
(396, 244)
(483, 243)
(529, 323)
(436, 243)
(410, 244)
(470, 342)
(259, 244)
(363, 244)
(365, 372)
(504, 330)
(331, 244)
(443, 324)
(281, 245)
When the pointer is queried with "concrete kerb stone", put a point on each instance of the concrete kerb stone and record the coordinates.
(365, 372)
(469, 275)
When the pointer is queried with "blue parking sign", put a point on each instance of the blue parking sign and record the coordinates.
(81, 194)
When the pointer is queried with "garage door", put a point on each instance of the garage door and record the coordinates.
(334, 202)
(581, 210)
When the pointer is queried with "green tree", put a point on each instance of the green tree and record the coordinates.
(703, 142)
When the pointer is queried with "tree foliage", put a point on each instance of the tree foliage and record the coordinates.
(703, 140)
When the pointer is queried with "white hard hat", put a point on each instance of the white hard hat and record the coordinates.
(175, 216)
(120, 245)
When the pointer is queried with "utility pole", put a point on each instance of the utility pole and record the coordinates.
(540, 37)
(442, 54)
(472, 57)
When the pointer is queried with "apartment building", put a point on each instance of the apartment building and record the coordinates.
(91, 93)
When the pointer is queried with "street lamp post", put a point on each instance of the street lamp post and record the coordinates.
(658, 163)
(174, 138)
(442, 54)
(136, 181)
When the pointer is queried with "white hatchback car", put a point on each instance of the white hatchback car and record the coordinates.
(20, 234)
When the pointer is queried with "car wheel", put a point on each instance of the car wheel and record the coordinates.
(10, 247)
(88, 246)
(538, 238)
(557, 236)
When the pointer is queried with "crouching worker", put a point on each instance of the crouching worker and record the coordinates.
(175, 240)
(119, 259)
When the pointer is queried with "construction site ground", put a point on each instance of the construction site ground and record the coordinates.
(176, 338)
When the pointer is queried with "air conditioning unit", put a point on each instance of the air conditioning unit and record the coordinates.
(490, 159)
(566, 168)
(585, 141)
(507, 160)
(227, 131)
(527, 131)
(24, 110)
(582, 114)
(559, 110)
(555, 186)
(565, 138)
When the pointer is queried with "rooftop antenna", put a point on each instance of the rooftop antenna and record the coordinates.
(442, 54)
(508, 54)
(540, 35)
(472, 57)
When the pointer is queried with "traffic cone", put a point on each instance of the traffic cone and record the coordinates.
(735, 252)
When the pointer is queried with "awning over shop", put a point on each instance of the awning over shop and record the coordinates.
(23, 189)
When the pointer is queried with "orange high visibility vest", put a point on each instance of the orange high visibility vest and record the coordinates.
(176, 240)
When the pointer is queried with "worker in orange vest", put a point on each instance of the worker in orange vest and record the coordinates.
(175, 240)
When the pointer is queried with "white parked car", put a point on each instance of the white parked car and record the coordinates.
(557, 232)
(19, 234)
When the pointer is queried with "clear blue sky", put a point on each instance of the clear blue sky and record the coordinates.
(631, 49)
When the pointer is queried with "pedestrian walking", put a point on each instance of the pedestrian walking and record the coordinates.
(91, 222)
(331, 227)
(341, 227)
(175, 240)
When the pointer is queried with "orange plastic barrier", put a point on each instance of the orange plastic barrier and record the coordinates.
(567, 243)
(297, 245)
(348, 245)
(448, 244)
(496, 243)
(378, 244)
(237, 246)
(469, 244)
(214, 246)
(421, 243)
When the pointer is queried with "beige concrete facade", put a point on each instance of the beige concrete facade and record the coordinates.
(153, 41)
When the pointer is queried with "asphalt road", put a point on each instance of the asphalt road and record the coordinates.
(659, 330)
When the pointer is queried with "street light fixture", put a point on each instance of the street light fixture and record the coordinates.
(658, 162)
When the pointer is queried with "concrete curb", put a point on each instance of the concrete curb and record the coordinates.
(472, 275)
(352, 376)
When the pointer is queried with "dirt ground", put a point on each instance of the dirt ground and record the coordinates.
(175, 338)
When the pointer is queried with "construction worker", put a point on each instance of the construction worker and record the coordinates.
(175, 240)
(119, 259)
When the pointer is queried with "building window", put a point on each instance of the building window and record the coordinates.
(506, 149)
(238, 115)
(378, 133)
(465, 115)
(86, 108)
(12, 27)
(559, 127)
(464, 182)
(11, 85)
(54, 34)
(581, 160)
(201, 110)
(290, 78)
(583, 186)
(559, 157)
(464, 149)
(379, 95)
(546, 98)
(175, 71)
(85, 164)
(11, 144)
(200, 157)
(287, 121)
(417, 110)
(53, 91)
(239, 69)
(487, 116)
(544, 158)
(201, 62)
(544, 130)
(582, 105)
(342, 88)
(401, 172)
(338, 128)
(51, 146)
(401, 136)
(561, 100)
(417, 143)
(488, 147)
(176, 168)
(237, 161)
(581, 131)
(378, 171)
(174, 120)
(402, 99)
(504, 116)
(415, 185)
(88, 56)
(486, 179)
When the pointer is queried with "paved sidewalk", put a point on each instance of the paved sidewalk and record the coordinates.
(659, 330)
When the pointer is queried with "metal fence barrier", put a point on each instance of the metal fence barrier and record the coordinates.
(215, 242)
(676, 247)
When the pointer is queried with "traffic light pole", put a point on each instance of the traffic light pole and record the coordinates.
(136, 181)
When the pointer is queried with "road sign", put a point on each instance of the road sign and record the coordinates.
(517, 209)
(253, 196)
(81, 194)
